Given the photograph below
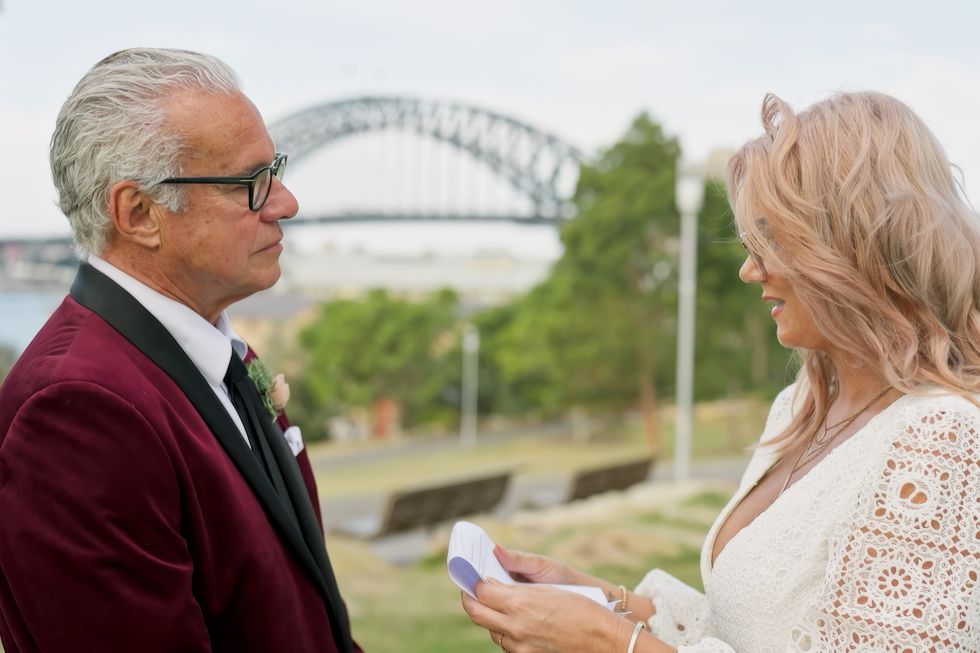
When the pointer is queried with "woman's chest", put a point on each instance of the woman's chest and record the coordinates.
(774, 561)
(770, 553)
(747, 510)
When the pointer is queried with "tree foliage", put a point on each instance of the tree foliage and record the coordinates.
(735, 347)
(379, 347)
(7, 358)
(597, 334)
(599, 330)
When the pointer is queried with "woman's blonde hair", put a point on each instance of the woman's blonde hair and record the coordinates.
(854, 202)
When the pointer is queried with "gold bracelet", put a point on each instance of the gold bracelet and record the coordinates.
(622, 601)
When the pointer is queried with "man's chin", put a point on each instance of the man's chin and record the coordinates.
(265, 280)
(273, 278)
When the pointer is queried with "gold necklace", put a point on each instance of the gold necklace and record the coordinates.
(829, 435)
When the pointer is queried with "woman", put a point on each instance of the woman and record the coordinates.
(857, 523)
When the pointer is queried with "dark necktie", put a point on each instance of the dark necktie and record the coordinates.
(259, 427)
(245, 398)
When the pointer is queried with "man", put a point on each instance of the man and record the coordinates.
(148, 502)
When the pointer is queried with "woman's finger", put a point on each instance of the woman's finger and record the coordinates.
(517, 600)
(496, 637)
(483, 615)
(488, 618)
(533, 567)
(517, 561)
(489, 594)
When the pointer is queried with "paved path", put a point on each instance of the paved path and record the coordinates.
(523, 489)
(323, 460)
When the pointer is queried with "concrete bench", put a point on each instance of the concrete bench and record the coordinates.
(606, 479)
(428, 506)
(595, 480)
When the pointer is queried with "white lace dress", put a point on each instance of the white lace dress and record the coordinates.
(877, 548)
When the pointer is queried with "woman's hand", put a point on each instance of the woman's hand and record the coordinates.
(535, 568)
(533, 619)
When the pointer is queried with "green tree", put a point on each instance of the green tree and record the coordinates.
(515, 377)
(7, 358)
(523, 374)
(598, 333)
(377, 352)
(735, 344)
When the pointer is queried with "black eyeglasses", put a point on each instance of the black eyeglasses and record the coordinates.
(259, 184)
(756, 259)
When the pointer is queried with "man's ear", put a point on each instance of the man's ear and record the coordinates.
(135, 216)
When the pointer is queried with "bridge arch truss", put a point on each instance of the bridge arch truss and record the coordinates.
(538, 165)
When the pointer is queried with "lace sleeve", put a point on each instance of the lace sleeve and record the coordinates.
(903, 574)
(682, 613)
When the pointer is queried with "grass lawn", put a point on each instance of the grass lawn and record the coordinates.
(416, 608)
(621, 536)
(722, 430)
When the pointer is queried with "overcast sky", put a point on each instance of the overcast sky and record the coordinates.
(579, 69)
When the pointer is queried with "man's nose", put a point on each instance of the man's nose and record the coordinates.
(281, 204)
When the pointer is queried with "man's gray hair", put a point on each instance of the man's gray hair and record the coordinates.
(111, 128)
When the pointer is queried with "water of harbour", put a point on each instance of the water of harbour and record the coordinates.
(22, 312)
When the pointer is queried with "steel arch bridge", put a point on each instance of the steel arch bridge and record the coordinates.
(533, 162)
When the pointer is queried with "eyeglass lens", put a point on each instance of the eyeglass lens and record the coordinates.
(756, 259)
(262, 185)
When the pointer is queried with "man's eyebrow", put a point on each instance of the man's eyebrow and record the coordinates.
(252, 169)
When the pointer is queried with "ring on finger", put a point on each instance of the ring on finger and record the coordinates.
(501, 644)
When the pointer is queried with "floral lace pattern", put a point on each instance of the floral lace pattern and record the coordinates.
(877, 548)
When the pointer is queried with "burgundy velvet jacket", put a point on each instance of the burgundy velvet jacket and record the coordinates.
(133, 516)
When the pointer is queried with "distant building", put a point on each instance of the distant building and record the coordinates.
(485, 278)
(270, 320)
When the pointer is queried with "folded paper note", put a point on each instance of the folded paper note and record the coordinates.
(470, 558)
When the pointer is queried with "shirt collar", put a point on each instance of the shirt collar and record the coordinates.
(209, 346)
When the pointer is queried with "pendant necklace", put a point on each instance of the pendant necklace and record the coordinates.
(816, 445)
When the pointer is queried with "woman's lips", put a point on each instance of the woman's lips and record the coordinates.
(776, 303)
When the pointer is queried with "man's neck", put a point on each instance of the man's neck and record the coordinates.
(147, 273)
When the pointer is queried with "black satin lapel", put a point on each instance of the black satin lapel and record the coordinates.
(300, 497)
(120, 310)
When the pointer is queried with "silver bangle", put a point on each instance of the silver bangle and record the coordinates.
(635, 636)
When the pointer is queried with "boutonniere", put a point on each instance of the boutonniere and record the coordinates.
(273, 390)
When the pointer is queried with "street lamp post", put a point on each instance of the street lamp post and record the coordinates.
(470, 379)
(689, 198)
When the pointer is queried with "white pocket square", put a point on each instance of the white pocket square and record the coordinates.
(294, 437)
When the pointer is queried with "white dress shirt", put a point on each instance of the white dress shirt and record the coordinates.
(209, 346)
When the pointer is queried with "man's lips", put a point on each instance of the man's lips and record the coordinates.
(276, 244)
